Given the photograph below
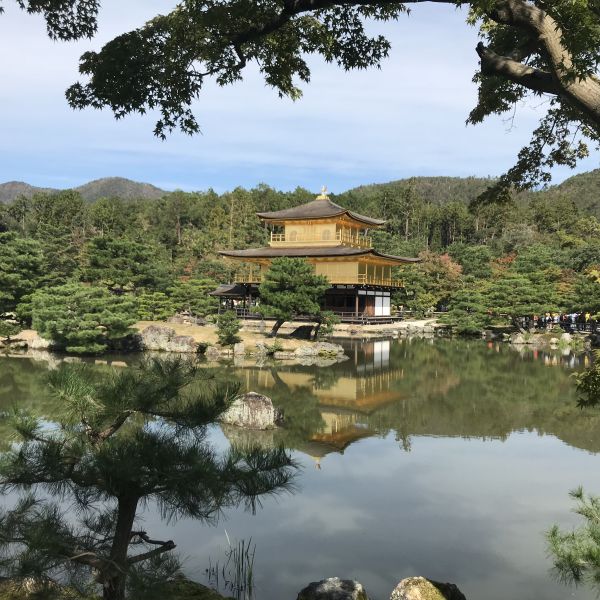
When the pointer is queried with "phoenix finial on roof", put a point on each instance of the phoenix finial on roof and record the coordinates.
(323, 195)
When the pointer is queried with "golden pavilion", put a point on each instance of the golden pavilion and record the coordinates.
(337, 242)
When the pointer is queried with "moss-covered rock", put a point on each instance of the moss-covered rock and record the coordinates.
(333, 588)
(184, 589)
(419, 588)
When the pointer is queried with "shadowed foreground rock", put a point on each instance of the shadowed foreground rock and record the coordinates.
(419, 588)
(252, 411)
(333, 588)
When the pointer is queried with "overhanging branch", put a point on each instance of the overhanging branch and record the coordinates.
(530, 77)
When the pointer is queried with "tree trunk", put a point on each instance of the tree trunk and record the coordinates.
(114, 581)
(317, 329)
(276, 327)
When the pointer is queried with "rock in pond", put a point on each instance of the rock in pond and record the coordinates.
(212, 353)
(165, 339)
(419, 588)
(517, 339)
(333, 588)
(323, 349)
(252, 411)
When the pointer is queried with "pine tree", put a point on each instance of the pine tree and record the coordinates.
(120, 442)
(228, 327)
(192, 296)
(82, 319)
(154, 306)
(290, 288)
(518, 295)
(20, 269)
(124, 264)
(467, 313)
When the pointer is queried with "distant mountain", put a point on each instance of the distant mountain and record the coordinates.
(100, 188)
(583, 190)
(437, 190)
(119, 187)
(12, 189)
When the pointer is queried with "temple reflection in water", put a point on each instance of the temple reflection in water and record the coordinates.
(416, 388)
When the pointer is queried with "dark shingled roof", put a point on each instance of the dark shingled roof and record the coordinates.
(321, 208)
(229, 290)
(314, 252)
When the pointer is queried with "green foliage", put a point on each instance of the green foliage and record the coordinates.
(327, 323)
(121, 440)
(192, 296)
(8, 329)
(154, 306)
(82, 319)
(20, 269)
(467, 311)
(171, 244)
(124, 264)
(474, 260)
(289, 288)
(576, 554)
(517, 295)
(228, 327)
(588, 384)
(429, 283)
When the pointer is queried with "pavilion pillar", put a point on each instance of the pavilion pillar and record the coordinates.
(356, 304)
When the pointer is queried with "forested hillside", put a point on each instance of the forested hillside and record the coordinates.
(541, 252)
(100, 188)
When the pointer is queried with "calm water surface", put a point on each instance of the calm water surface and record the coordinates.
(447, 459)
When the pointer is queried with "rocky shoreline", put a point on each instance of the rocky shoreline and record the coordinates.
(162, 339)
(552, 340)
(255, 346)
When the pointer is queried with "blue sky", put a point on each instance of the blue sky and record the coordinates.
(348, 129)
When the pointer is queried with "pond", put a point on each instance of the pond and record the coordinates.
(444, 458)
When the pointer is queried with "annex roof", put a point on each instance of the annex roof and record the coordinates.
(229, 290)
(320, 208)
(315, 252)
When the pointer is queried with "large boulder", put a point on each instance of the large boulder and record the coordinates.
(566, 338)
(252, 411)
(34, 340)
(419, 588)
(322, 349)
(212, 353)
(518, 339)
(333, 588)
(165, 339)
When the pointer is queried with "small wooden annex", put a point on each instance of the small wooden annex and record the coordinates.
(337, 242)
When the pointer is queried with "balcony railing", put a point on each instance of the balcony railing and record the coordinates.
(248, 277)
(361, 279)
(345, 237)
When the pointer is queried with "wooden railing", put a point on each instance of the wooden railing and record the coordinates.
(361, 279)
(344, 316)
(345, 237)
(248, 277)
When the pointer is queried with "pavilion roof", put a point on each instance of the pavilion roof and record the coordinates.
(229, 290)
(315, 252)
(320, 208)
